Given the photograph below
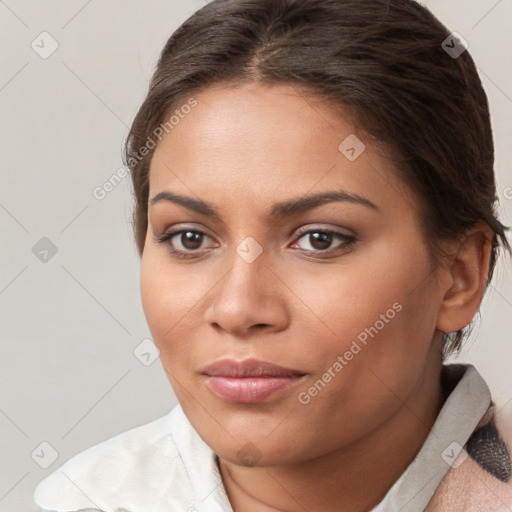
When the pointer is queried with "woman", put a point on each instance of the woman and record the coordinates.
(315, 215)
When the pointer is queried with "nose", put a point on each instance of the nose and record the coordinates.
(250, 298)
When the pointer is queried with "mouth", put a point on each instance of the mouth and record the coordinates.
(249, 381)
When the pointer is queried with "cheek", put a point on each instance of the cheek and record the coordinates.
(381, 289)
(383, 335)
(379, 313)
(168, 298)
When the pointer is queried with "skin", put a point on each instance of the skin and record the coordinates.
(242, 150)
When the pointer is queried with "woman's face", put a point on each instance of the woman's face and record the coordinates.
(266, 267)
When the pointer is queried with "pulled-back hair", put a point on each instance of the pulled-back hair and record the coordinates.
(383, 61)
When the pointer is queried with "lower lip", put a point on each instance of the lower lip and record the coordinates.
(249, 390)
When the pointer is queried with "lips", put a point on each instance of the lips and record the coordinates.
(249, 381)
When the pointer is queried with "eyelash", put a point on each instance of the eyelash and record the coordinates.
(348, 241)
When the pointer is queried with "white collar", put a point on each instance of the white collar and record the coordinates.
(140, 470)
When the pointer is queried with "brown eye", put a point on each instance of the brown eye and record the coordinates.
(323, 241)
(190, 240)
(185, 242)
(320, 241)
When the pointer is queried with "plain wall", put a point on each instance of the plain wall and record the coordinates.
(70, 324)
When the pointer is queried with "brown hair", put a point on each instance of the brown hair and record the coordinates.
(382, 60)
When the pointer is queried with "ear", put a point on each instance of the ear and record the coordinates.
(467, 273)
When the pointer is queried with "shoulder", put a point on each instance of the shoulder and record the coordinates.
(481, 476)
(115, 474)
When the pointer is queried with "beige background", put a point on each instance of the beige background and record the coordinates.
(69, 376)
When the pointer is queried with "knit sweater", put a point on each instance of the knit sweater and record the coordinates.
(464, 464)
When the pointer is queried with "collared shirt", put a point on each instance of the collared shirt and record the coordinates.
(165, 466)
(459, 416)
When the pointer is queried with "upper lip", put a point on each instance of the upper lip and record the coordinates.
(248, 368)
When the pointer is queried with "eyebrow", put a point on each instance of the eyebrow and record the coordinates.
(278, 210)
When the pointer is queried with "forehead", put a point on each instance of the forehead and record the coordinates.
(270, 140)
(272, 122)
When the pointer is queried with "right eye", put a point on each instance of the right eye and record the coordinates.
(183, 243)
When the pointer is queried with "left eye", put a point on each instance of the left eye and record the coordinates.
(322, 240)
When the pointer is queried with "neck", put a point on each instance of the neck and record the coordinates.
(351, 479)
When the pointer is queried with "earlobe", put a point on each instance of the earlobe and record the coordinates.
(468, 272)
